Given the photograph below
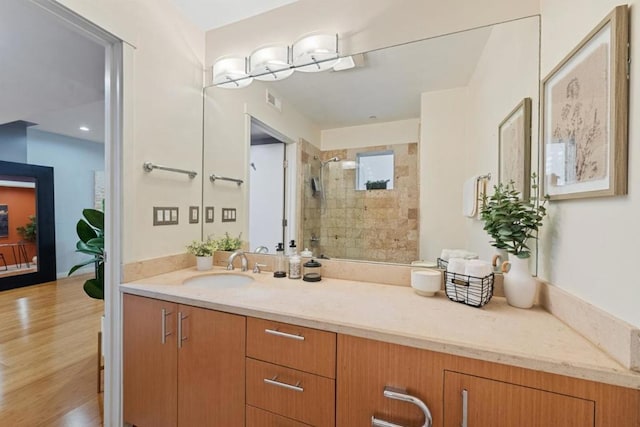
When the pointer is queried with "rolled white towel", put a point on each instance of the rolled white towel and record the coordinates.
(457, 265)
(445, 254)
(478, 268)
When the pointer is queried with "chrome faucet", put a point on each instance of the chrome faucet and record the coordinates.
(243, 258)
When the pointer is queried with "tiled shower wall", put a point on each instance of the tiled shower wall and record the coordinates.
(375, 225)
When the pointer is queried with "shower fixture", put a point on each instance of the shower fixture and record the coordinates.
(333, 159)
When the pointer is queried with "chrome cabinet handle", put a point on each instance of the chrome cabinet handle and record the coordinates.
(284, 334)
(401, 395)
(273, 381)
(181, 336)
(163, 324)
(465, 408)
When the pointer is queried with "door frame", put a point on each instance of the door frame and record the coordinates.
(113, 97)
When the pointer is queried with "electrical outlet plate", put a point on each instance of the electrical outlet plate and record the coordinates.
(208, 214)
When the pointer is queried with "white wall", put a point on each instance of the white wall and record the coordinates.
(396, 132)
(589, 247)
(74, 162)
(362, 24)
(162, 83)
(266, 197)
(443, 170)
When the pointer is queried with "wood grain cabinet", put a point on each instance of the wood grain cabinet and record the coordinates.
(183, 365)
(463, 392)
(474, 401)
(290, 375)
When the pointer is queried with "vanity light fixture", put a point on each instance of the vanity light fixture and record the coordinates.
(84, 128)
(310, 54)
(270, 63)
(344, 63)
(315, 53)
(231, 73)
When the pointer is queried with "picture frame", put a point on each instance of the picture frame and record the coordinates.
(4, 220)
(584, 120)
(514, 148)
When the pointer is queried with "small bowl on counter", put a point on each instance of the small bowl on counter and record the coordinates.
(426, 282)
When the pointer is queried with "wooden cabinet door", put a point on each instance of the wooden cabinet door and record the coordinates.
(366, 367)
(211, 368)
(500, 404)
(149, 362)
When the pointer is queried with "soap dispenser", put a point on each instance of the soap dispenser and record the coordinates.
(280, 269)
(295, 264)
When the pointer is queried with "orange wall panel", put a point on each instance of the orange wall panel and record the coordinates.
(21, 203)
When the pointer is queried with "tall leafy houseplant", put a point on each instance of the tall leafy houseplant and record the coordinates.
(512, 221)
(90, 231)
(29, 231)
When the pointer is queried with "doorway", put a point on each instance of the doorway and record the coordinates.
(267, 189)
(44, 86)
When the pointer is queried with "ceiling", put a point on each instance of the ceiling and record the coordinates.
(50, 75)
(388, 84)
(210, 14)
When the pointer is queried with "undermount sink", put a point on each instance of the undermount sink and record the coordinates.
(218, 281)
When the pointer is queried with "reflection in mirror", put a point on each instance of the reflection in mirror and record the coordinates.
(435, 104)
(18, 226)
(27, 221)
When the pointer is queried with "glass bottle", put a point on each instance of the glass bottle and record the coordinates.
(295, 264)
(280, 269)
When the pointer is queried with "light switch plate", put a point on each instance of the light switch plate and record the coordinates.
(165, 215)
(228, 214)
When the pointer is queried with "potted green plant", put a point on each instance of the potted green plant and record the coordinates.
(28, 232)
(203, 252)
(90, 230)
(227, 243)
(377, 185)
(512, 222)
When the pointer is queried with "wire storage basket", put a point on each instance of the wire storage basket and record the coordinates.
(469, 290)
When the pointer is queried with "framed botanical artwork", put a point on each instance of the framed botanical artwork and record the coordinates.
(514, 148)
(585, 113)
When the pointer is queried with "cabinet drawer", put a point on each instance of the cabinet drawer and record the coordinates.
(306, 349)
(294, 394)
(259, 418)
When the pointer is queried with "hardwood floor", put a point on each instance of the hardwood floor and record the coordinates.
(48, 356)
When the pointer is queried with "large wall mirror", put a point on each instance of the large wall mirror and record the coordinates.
(377, 154)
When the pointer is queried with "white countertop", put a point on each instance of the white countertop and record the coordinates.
(497, 332)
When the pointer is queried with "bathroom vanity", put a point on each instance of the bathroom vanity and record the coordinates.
(280, 352)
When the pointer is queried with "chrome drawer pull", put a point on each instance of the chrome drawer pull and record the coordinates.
(181, 336)
(396, 394)
(164, 332)
(465, 408)
(273, 381)
(284, 334)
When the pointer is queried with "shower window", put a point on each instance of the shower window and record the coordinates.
(375, 167)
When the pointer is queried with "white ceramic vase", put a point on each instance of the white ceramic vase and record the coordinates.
(519, 286)
(204, 263)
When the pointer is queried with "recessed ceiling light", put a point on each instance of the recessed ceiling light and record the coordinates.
(84, 128)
